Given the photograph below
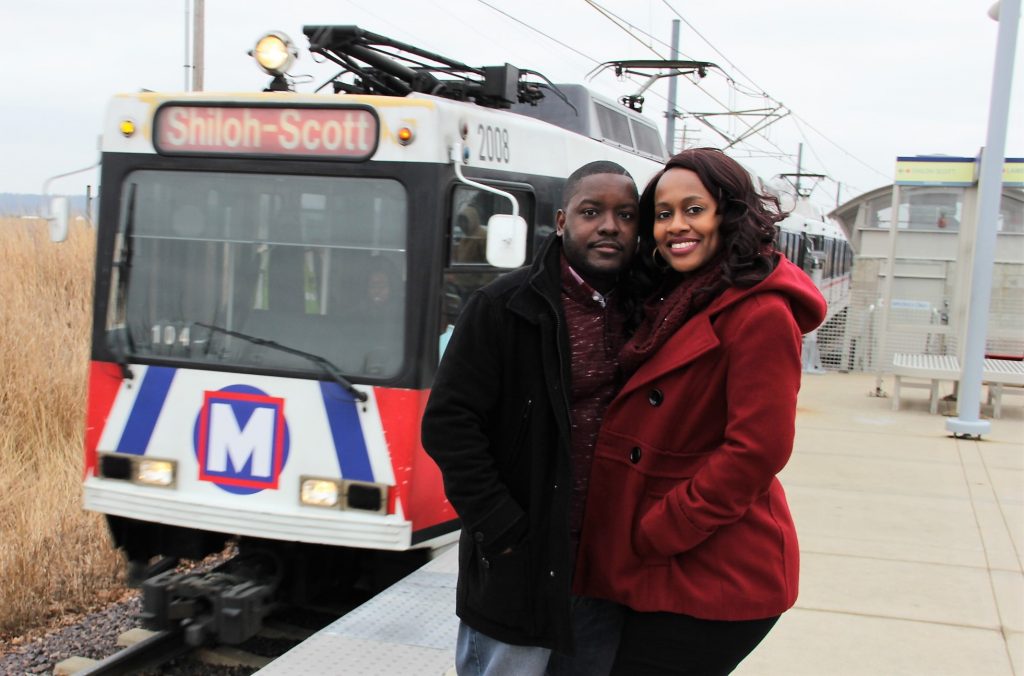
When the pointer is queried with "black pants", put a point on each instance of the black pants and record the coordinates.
(655, 644)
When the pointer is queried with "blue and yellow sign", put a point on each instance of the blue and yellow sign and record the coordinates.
(946, 171)
(1013, 172)
(952, 171)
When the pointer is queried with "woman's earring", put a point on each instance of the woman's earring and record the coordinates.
(659, 263)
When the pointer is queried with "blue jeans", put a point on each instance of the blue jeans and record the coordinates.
(597, 625)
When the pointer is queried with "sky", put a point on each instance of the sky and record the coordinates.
(863, 82)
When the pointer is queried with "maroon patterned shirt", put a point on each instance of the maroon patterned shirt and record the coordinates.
(595, 325)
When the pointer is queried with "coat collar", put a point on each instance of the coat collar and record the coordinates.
(696, 338)
(544, 279)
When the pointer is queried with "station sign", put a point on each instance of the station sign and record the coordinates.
(938, 171)
(1013, 172)
(952, 171)
(348, 133)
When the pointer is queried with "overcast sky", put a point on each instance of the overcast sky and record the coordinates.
(865, 81)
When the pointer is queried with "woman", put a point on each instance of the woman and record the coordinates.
(695, 535)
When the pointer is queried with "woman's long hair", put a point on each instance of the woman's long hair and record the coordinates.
(747, 231)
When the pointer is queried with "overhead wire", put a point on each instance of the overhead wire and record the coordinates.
(628, 27)
(751, 80)
(843, 150)
(537, 30)
(715, 49)
(619, 21)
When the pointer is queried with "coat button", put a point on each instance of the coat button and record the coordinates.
(634, 455)
(478, 536)
(656, 397)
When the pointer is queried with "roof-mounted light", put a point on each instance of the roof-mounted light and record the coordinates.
(275, 53)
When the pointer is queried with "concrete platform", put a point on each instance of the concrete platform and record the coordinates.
(912, 549)
(911, 541)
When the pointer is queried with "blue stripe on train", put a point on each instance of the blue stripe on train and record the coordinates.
(148, 404)
(349, 442)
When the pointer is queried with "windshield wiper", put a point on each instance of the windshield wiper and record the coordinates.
(123, 264)
(328, 368)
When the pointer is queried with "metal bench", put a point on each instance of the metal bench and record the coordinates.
(932, 368)
(998, 374)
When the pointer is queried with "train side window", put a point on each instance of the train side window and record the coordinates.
(467, 268)
(647, 139)
(471, 208)
(614, 125)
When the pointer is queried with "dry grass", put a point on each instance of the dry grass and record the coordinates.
(55, 558)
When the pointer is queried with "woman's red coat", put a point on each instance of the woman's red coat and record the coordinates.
(684, 512)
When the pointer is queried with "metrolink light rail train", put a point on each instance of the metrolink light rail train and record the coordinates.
(276, 276)
(818, 245)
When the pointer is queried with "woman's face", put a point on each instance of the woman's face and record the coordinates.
(686, 221)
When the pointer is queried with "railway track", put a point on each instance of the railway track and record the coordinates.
(227, 617)
(151, 652)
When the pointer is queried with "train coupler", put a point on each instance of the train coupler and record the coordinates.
(212, 607)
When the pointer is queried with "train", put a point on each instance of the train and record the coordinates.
(276, 276)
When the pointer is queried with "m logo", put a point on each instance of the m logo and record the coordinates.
(241, 439)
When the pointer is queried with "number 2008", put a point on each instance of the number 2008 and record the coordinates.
(494, 145)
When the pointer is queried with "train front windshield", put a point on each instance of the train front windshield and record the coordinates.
(205, 262)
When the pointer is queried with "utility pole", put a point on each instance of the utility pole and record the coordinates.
(198, 44)
(188, 51)
(670, 113)
(795, 179)
(799, 167)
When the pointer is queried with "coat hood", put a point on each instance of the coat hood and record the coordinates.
(808, 305)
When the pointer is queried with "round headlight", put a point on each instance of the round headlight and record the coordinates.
(275, 53)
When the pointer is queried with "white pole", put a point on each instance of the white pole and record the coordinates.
(883, 330)
(990, 190)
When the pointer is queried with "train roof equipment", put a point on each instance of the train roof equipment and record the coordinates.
(381, 65)
(373, 64)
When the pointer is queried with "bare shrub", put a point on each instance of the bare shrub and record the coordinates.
(55, 558)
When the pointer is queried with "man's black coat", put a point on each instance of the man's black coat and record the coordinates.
(497, 424)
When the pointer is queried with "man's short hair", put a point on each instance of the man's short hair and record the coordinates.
(572, 183)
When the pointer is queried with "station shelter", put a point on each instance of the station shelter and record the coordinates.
(929, 254)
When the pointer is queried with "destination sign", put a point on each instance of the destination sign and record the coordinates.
(348, 133)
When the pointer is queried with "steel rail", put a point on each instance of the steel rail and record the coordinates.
(150, 652)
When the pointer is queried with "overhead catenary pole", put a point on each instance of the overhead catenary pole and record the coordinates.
(198, 27)
(670, 112)
(799, 167)
(188, 49)
(990, 190)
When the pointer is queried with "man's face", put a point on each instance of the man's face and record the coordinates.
(598, 228)
(379, 287)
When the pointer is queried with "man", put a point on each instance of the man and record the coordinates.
(512, 421)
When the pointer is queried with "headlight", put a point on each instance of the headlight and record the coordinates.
(320, 492)
(275, 53)
(138, 469)
(363, 496)
(154, 472)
